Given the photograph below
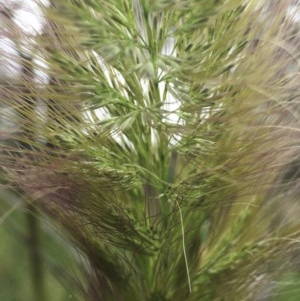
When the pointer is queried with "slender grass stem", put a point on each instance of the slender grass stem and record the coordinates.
(35, 259)
(184, 251)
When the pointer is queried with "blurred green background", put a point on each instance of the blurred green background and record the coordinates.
(58, 268)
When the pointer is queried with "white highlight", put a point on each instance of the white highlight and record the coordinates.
(10, 67)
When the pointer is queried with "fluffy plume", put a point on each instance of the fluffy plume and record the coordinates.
(164, 142)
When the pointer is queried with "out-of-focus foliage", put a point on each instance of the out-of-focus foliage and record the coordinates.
(15, 273)
(163, 142)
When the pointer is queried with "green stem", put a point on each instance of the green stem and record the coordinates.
(35, 258)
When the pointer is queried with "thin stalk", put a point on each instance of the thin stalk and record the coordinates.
(184, 249)
(35, 258)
